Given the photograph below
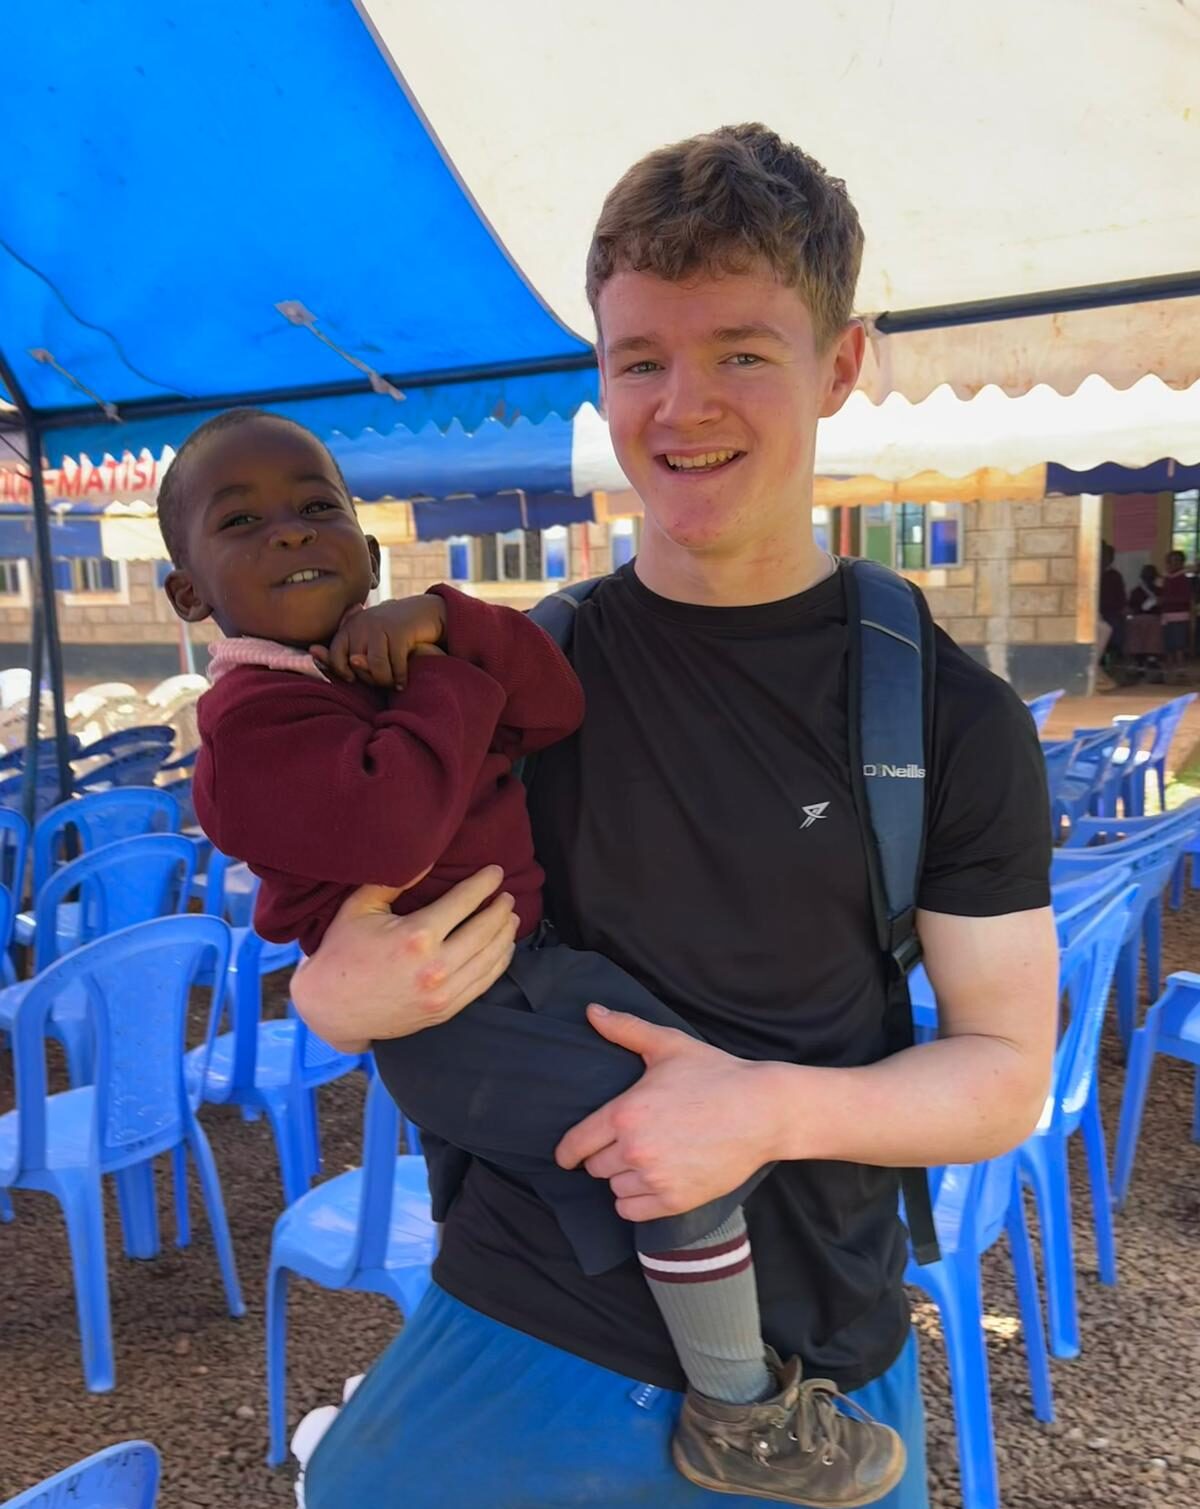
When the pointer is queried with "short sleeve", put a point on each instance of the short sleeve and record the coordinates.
(987, 848)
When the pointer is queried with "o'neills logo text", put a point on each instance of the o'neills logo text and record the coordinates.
(904, 772)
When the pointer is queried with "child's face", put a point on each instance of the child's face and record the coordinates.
(274, 549)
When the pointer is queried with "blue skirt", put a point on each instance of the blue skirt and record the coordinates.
(462, 1412)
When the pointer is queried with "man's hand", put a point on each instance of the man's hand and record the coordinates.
(377, 975)
(688, 1132)
(373, 644)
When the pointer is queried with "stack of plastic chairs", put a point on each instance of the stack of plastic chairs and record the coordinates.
(369, 1229)
(1073, 1105)
(1092, 781)
(1150, 760)
(137, 985)
(124, 1476)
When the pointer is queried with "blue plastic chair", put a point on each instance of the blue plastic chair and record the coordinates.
(14, 854)
(369, 1228)
(87, 822)
(47, 753)
(124, 1476)
(115, 887)
(973, 1205)
(129, 740)
(273, 1066)
(1151, 759)
(137, 984)
(1093, 778)
(1058, 756)
(1172, 1027)
(1041, 707)
(1073, 1104)
(139, 767)
(1154, 855)
(47, 792)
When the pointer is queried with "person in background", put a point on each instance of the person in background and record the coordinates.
(1143, 628)
(1110, 646)
(1176, 595)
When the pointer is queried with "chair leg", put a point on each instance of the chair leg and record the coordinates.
(1196, 1109)
(214, 1204)
(1152, 942)
(312, 1136)
(1097, 1163)
(277, 1292)
(961, 1304)
(1177, 878)
(139, 1209)
(1133, 1102)
(76, 1038)
(183, 1213)
(1033, 1325)
(287, 1122)
(6, 1210)
(1127, 972)
(82, 1203)
(1044, 1159)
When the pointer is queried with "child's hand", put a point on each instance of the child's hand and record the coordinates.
(373, 644)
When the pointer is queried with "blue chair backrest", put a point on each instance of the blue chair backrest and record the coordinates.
(1096, 754)
(46, 753)
(381, 1134)
(126, 740)
(972, 1202)
(124, 1476)
(1041, 707)
(118, 885)
(136, 984)
(1169, 716)
(136, 768)
(1058, 757)
(230, 890)
(1075, 900)
(14, 851)
(1151, 862)
(100, 818)
(1092, 832)
(1085, 976)
(47, 791)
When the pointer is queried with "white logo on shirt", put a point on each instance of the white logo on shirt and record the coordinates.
(811, 814)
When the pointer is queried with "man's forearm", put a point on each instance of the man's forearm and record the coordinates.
(957, 1100)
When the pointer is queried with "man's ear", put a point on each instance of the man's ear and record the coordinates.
(373, 547)
(184, 598)
(848, 351)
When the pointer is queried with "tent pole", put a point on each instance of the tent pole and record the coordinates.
(33, 719)
(49, 613)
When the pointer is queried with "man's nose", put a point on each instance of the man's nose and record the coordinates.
(290, 533)
(687, 399)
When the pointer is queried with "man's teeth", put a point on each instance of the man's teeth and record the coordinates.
(302, 576)
(698, 463)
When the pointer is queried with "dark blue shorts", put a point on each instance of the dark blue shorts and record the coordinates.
(462, 1412)
(506, 1078)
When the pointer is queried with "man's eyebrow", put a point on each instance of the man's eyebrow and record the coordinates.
(630, 343)
(730, 335)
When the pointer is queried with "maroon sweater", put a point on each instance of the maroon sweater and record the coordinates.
(323, 787)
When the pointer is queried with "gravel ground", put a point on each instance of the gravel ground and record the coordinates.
(191, 1379)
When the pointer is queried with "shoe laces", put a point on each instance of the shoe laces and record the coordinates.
(808, 1418)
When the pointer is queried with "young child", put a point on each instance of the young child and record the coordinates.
(330, 759)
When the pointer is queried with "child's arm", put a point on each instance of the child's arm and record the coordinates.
(299, 780)
(543, 702)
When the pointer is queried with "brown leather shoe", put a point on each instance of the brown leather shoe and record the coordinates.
(797, 1447)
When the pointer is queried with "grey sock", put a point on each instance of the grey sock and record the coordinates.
(708, 1298)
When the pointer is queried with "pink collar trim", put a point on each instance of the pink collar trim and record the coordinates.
(226, 655)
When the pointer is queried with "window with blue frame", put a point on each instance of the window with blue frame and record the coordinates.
(623, 538)
(80, 575)
(517, 555)
(912, 536)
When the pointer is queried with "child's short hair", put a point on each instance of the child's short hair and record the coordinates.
(716, 203)
(171, 488)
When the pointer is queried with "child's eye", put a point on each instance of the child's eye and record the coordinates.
(237, 518)
(319, 505)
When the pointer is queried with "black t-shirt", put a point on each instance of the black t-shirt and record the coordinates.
(678, 837)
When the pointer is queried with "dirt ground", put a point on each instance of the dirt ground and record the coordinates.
(190, 1379)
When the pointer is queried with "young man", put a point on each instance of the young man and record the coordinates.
(674, 836)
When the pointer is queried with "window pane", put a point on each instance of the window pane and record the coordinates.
(910, 537)
(877, 533)
(459, 554)
(554, 553)
(533, 555)
(10, 578)
(489, 559)
(1185, 524)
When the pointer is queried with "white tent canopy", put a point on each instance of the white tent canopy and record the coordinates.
(992, 151)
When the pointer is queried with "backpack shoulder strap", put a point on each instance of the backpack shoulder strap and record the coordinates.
(889, 721)
(556, 613)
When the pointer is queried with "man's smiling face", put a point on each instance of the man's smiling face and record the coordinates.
(713, 388)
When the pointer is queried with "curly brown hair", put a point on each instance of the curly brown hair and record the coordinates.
(719, 202)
